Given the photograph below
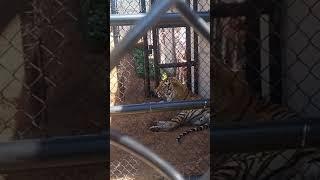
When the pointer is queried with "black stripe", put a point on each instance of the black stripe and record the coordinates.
(190, 114)
(196, 116)
(177, 120)
(284, 116)
(293, 160)
(275, 107)
(199, 128)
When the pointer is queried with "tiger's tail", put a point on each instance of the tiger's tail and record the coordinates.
(195, 129)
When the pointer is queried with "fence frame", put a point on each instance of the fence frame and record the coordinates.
(24, 155)
(159, 106)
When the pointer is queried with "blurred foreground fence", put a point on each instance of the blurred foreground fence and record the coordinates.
(51, 85)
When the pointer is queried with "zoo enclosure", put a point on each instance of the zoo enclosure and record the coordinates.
(270, 58)
(128, 62)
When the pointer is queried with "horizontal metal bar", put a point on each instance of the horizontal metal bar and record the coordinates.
(176, 25)
(23, 155)
(142, 26)
(158, 107)
(171, 65)
(135, 148)
(168, 18)
(206, 175)
(221, 10)
(257, 137)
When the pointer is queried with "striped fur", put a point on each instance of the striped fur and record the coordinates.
(234, 101)
(238, 104)
(199, 128)
(261, 166)
(172, 89)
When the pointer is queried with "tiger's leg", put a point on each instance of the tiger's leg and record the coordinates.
(174, 123)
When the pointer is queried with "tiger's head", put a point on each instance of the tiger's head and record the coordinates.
(171, 89)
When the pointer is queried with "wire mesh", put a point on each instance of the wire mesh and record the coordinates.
(45, 86)
(169, 50)
(267, 52)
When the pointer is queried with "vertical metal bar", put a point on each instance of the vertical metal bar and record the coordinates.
(253, 48)
(146, 56)
(146, 66)
(156, 54)
(174, 49)
(196, 54)
(155, 36)
(275, 54)
(188, 52)
(115, 29)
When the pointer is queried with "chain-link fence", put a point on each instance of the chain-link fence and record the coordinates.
(51, 83)
(270, 54)
(269, 72)
(169, 49)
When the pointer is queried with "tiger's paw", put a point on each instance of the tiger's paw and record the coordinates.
(158, 126)
(162, 126)
(155, 128)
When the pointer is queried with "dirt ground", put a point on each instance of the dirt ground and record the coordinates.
(191, 157)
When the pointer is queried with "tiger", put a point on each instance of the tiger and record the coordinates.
(234, 101)
(170, 89)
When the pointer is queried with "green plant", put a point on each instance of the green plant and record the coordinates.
(138, 56)
(93, 22)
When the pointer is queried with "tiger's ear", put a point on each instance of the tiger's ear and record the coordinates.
(164, 76)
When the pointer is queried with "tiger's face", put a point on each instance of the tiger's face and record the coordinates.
(171, 89)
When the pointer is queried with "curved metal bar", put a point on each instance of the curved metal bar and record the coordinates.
(194, 20)
(139, 29)
(130, 145)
